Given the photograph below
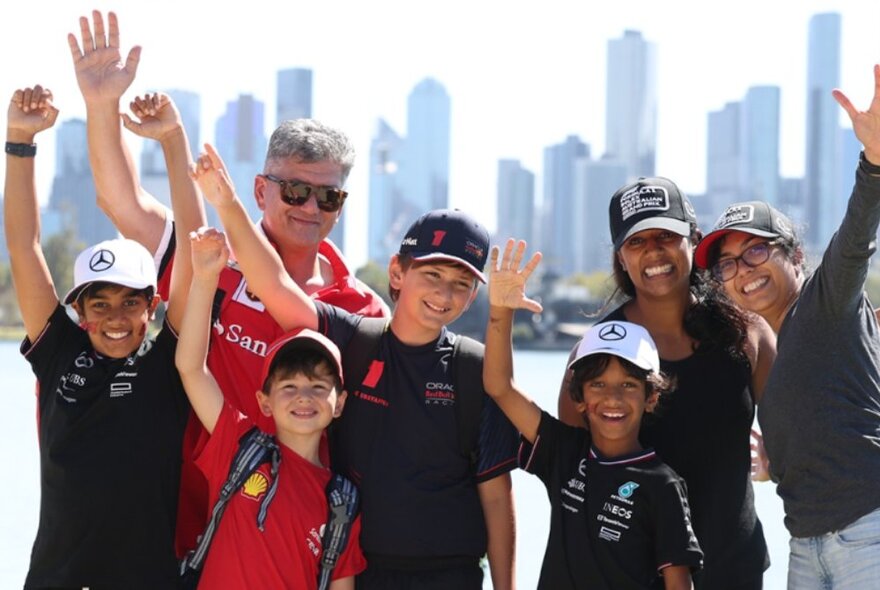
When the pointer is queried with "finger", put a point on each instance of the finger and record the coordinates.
(532, 305)
(532, 264)
(130, 124)
(100, 37)
(214, 157)
(133, 59)
(75, 52)
(27, 93)
(88, 43)
(18, 98)
(518, 254)
(844, 102)
(51, 114)
(113, 27)
(493, 259)
(757, 434)
(505, 258)
(36, 96)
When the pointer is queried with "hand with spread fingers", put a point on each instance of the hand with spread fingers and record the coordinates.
(30, 111)
(211, 175)
(866, 124)
(157, 117)
(100, 71)
(507, 281)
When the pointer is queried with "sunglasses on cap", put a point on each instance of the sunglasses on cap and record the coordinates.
(756, 255)
(297, 193)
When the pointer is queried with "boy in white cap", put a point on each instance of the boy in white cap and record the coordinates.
(619, 516)
(111, 408)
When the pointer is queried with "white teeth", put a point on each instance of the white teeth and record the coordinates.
(435, 308)
(760, 282)
(613, 414)
(116, 335)
(657, 270)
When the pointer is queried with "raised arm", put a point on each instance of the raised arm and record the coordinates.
(103, 77)
(209, 256)
(866, 124)
(158, 119)
(261, 265)
(30, 111)
(506, 295)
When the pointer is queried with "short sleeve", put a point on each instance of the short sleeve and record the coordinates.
(553, 444)
(675, 542)
(497, 443)
(352, 561)
(215, 458)
(336, 324)
(57, 336)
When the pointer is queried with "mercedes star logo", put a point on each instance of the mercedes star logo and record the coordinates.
(102, 260)
(612, 332)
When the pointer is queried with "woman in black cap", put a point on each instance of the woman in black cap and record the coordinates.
(821, 408)
(720, 359)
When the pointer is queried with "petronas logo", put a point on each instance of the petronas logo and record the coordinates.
(627, 489)
(255, 486)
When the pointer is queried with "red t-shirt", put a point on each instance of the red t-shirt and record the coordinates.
(239, 340)
(287, 553)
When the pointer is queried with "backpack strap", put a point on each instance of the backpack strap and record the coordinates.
(467, 377)
(343, 501)
(254, 448)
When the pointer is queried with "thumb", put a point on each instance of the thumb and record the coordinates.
(133, 59)
(130, 124)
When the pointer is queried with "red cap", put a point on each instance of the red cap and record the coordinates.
(304, 339)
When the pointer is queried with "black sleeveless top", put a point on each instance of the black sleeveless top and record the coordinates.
(702, 430)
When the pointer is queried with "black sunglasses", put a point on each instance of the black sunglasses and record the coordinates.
(725, 269)
(297, 193)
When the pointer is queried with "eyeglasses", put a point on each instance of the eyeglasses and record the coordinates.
(753, 256)
(297, 193)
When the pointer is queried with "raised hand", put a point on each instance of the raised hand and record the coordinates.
(507, 282)
(209, 252)
(213, 179)
(157, 117)
(30, 111)
(100, 71)
(866, 124)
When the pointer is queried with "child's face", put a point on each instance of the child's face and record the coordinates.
(301, 404)
(432, 295)
(116, 319)
(613, 405)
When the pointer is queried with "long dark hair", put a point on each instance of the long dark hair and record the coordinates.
(711, 319)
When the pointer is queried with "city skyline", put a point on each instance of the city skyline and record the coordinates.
(518, 84)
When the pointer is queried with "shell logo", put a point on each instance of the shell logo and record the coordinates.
(255, 486)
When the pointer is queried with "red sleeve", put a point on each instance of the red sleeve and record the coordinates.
(352, 561)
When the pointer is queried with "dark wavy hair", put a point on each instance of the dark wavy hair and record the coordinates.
(712, 319)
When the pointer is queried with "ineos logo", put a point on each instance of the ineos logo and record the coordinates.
(101, 260)
(612, 332)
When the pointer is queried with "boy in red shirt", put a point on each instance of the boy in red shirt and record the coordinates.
(302, 393)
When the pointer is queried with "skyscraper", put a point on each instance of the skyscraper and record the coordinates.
(426, 173)
(561, 226)
(821, 174)
(631, 103)
(594, 183)
(389, 212)
(294, 94)
(241, 142)
(73, 189)
(516, 203)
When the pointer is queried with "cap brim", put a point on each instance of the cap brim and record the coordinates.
(440, 256)
(298, 340)
(701, 254)
(682, 228)
(639, 362)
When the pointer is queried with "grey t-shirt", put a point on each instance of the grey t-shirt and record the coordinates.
(820, 412)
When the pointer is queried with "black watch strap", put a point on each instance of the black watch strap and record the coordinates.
(22, 150)
(867, 166)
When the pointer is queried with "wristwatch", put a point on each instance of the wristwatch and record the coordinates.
(867, 166)
(22, 150)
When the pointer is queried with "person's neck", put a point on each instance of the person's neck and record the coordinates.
(304, 445)
(410, 333)
(776, 316)
(304, 266)
(662, 317)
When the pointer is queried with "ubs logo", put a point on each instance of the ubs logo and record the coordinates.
(612, 332)
(101, 260)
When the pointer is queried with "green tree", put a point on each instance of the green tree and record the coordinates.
(599, 283)
(60, 251)
(376, 277)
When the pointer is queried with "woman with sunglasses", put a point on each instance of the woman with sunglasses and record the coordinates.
(719, 358)
(821, 409)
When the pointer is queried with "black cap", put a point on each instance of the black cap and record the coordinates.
(448, 234)
(752, 217)
(649, 203)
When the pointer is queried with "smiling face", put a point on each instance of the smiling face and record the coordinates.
(115, 318)
(302, 403)
(613, 404)
(431, 295)
(658, 262)
(291, 226)
(767, 289)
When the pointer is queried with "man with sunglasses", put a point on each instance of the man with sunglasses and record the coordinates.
(299, 192)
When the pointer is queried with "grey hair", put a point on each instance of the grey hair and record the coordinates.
(311, 141)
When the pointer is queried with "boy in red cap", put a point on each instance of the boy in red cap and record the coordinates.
(301, 393)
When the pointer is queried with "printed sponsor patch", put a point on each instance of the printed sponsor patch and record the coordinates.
(643, 198)
(245, 297)
(735, 214)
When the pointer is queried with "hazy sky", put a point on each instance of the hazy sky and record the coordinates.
(521, 75)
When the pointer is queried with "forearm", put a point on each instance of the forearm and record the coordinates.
(496, 497)
(192, 351)
(498, 359)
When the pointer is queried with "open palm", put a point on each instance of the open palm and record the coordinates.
(100, 71)
(507, 281)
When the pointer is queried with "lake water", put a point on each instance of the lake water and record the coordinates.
(537, 373)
